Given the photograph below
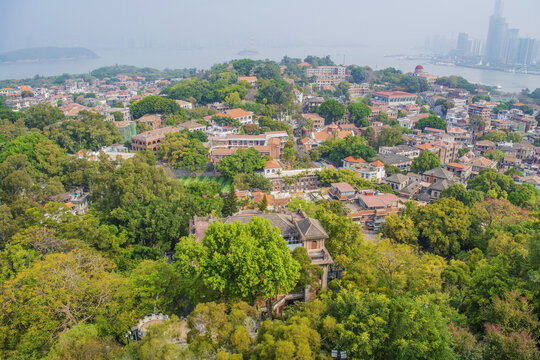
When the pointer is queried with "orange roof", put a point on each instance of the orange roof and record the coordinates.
(321, 135)
(456, 165)
(237, 113)
(302, 64)
(344, 133)
(247, 78)
(7, 89)
(425, 146)
(377, 163)
(220, 151)
(353, 160)
(272, 164)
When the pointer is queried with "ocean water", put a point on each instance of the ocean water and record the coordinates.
(204, 57)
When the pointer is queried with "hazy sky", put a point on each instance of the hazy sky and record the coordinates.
(386, 24)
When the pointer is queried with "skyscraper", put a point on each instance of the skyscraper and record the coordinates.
(463, 44)
(498, 28)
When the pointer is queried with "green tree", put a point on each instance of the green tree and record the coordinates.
(426, 161)
(443, 227)
(359, 113)
(239, 260)
(41, 115)
(156, 286)
(154, 104)
(242, 161)
(495, 155)
(233, 100)
(181, 152)
(267, 71)
(280, 341)
(492, 183)
(390, 136)
(230, 204)
(399, 229)
(336, 149)
(476, 123)
(431, 121)
(89, 131)
(332, 110)
(459, 192)
(82, 341)
(243, 66)
(310, 275)
(263, 204)
(57, 293)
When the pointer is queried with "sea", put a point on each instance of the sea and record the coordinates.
(205, 57)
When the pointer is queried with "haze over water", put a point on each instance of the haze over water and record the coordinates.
(204, 58)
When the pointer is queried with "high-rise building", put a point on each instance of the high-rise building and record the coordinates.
(511, 46)
(463, 44)
(527, 51)
(496, 39)
(476, 47)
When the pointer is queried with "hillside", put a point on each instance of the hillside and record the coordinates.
(46, 54)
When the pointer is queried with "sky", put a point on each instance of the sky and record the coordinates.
(384, 24)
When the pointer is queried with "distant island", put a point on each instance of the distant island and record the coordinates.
(46, 54)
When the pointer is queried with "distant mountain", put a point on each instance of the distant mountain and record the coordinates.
(46, 54)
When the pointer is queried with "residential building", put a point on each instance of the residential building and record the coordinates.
(184, 104)
(296, 228)
(152, 120)
(251, 80)
(342, 191)
(372, 172)
(481, 163)
(402, 162)
(397, 181)
(327, 75)
(358, 90)
(243, 116)
(484, 110)
(437, 174)
(403, 150)
(350, 162)
(483, 146)
(371, 208)
(318, 121)
(460, 171)
(192, 125)
(291, 180)
(150, 140)
(395, 98)
(127, 129)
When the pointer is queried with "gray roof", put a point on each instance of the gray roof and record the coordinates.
(393, 159)
(411, 188)
(397, 178)
(311, 229)
(289, 224)
(441, 185)
(440, 173)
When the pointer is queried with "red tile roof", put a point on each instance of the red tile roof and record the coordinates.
(393, 94)
(353, 160)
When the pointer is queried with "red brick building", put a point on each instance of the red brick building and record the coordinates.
(150, 140)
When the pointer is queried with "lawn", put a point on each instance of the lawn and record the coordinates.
(222, 181)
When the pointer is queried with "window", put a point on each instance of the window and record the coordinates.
(292, 240)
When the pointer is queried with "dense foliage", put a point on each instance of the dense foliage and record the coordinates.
(454, 279)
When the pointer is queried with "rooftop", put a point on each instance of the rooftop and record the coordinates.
(343, 187)
(155, 134)
(393, 94)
